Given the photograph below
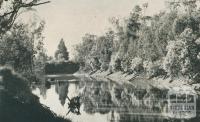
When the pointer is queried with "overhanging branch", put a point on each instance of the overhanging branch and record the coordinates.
(7, 19)
(23, 6)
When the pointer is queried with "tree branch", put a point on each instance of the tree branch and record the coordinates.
(34, 4)
(24, 6)
(7, 19)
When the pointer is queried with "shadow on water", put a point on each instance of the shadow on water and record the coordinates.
(18, 104)
(13, 110)
(109, 101)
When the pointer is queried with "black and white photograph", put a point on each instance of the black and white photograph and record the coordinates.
(99, 60)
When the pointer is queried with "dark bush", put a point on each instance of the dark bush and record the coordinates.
(61, 68)
(18, 104)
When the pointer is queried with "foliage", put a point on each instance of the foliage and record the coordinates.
(14, 51)
(18, 48)
(62, 54)
(18, 51)
(172, 35)
(182, 56)
(85, 48)
(117, 65)
(15, 85)
(98, 50)
(17, 96)
(153, 69)
(95, 64)
(9, 10)
(137, 64)
(126, 65)
(61, 67)
(18, 40)
(40, 56)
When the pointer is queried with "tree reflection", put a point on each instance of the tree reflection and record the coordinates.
(107, 97)
(74, 105)
(89, 106)
(44, 86)
(61, 89)
(96, 98)
(121, 102)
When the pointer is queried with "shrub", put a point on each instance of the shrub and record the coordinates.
(95, 64)
(104, 66)
(137, 64)
(117, 65)
(15, 85)
(154, 69)
(19, 104)
(126, 65)
(182, 55)
(61, 67)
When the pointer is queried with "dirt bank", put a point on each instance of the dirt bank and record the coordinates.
(143, 81)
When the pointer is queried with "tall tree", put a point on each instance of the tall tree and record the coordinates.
(62, 53)
(17, 48)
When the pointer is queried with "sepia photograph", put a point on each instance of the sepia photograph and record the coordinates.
(99, 60)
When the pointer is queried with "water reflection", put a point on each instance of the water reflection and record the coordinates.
(74, 105)
(61, 89)
(107, 101)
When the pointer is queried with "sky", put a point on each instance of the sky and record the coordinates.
(72, 19)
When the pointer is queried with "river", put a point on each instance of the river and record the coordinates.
(109, 101)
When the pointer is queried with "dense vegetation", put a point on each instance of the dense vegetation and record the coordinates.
(21, 49)
(166, 44)
(21, 45)
(62, 53)
(61, 68)
(18, 104)
(60, 64)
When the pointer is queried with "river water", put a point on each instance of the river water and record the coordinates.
(109, 101)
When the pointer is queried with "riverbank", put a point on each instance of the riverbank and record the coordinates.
(13, 110)
(144, 82)
(19, 104)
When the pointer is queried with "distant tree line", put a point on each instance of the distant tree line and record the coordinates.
(166, 44)
(61, 68)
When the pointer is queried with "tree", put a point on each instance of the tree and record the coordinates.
(172, 35)
(86, 50)
(18, 49)
(40, 57)
(9, 14)
(182, 55)
(62, 53)
(17, 39)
